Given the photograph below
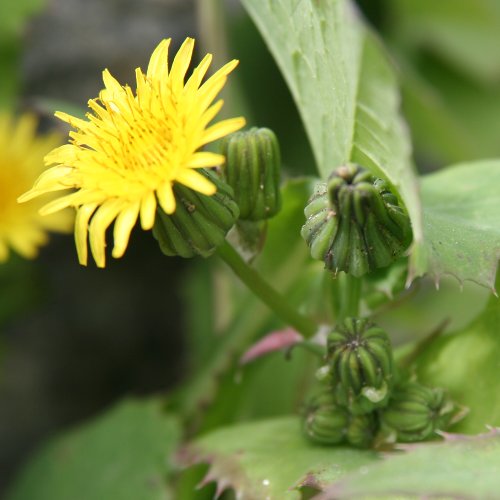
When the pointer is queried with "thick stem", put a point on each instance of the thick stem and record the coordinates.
(273, 299)
(350, 296)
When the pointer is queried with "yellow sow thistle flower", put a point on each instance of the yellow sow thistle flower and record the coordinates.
(124, 159)
(22, 228)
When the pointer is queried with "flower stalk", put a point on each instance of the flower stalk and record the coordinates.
(349, 296)
(273, 299)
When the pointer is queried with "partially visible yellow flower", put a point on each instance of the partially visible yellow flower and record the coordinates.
(22, 228)
(125, 158)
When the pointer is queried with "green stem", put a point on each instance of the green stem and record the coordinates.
(350, 296)
(311, 347)
(274, 300)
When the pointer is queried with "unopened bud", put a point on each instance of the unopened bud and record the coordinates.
(415, 413)
(252, 169)
(355, 223)
(361, 430)
(325, 422)
(329, 423)
(362, 370)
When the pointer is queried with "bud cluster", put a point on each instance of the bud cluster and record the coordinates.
(354, 222)
(362, 400)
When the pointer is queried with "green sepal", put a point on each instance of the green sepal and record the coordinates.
(200, 223)
(253, 169)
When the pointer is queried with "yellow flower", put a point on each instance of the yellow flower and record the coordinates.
(124, 159)
(22, 228)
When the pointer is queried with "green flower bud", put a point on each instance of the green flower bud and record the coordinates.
(325, 422)
(361, 430)
(415, 413)
(360, 356)
(328, 423)
(252, 169)
(200, 223)
(355, 223)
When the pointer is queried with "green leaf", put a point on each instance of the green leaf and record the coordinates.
(464, 33)
(461, 222)
(466, 364)
(124, 454)
(463, 467)
(344, 87)
(271, 459)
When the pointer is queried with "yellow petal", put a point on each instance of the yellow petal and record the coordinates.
(70, 200)
(205, 159)
(64, 154)
(158, 64)
(148, 210)
(101, 220)
(198, 74)
(72, 120)
(166, 197)
(53, 179)
(222, 129)
(181, 64)
(123, 227)
(226, 69)
(196, 181)
(143, 90)
(208, 92)
(210, 113)
(81, 231)
(111, 83)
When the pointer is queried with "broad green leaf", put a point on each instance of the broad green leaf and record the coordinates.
(124, 454)
(465, 33)
(461, 221)
(462, 467)
(466, 364)
(344, 87)
(271, 459)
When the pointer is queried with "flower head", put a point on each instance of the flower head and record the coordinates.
(124, 159)
(22, 228)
